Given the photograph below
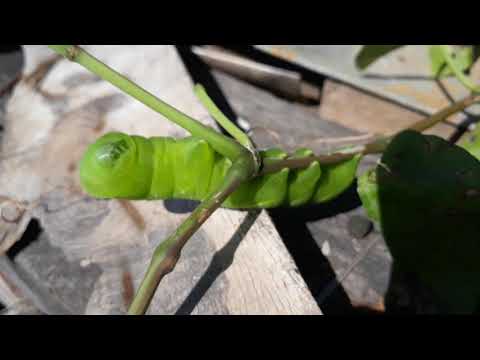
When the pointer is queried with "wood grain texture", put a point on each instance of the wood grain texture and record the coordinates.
(277, 122)
(363, 112)
(334, 250)
(236, 263)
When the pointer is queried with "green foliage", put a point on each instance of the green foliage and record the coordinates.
(463, 60)
(426, 195)
(450, 60)
(371, 53)
(472, 143)
(444, 61)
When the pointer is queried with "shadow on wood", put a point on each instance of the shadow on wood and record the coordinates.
(220, 262)
(290, 223)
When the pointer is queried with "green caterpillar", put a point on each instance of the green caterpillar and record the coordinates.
(121, 166)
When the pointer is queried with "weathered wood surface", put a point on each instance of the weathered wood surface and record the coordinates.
(318, 237)
(363, 112)
(89, 249)
(344, 270)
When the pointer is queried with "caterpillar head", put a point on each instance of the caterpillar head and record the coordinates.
(112, 168)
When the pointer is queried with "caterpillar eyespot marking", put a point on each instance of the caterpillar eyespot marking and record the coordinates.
(109, 153)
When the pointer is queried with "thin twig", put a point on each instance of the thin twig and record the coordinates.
(166, 255)
(443, 114)
(375, 147)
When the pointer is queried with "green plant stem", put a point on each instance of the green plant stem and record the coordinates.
(375, 147)
(244, 164)
(465, 80)
(272, 165)
(219, 142)
(244, 167)
(220, 117)
(168, 252)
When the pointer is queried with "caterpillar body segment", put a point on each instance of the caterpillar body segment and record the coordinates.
(118, 166)
(266, 191)
(303, 182)
(133, 167)
(335, 177)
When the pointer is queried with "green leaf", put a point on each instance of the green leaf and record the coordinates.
(459, 74)
(427, 195)
(371, 53)
(472, 143)
(368, 191)
(463, 60)
(367, 182)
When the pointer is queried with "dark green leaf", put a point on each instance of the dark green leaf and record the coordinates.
(371, 53)
(476, 52)
(428, 205)
(472, 143)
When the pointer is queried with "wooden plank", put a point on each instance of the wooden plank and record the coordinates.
(290, 124)
(347, 272)
(236, 263)
(363, 112)
(401, 77)
(318, 237)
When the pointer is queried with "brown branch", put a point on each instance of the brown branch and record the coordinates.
(376, 146)
(166, 255)
(443, 114)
